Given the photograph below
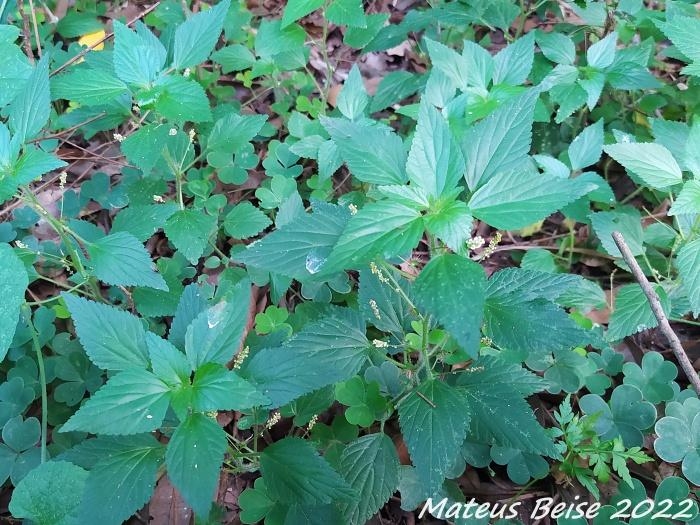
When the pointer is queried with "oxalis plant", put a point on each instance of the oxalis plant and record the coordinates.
(304, 298)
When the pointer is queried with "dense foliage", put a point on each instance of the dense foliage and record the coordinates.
(218, 264)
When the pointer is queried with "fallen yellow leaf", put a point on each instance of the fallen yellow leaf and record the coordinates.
(91, 39)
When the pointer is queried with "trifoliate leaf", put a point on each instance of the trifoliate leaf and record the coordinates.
(654, 378)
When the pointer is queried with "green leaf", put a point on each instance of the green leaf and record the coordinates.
(236, 57)
(131, 402)
(587, 147)
(13, 283)
(189, 230)
(167, 361)
(295, 473)
(142, 221)
(88, 87)
(216, 388)
(120, 259)
(182, 100)
(651, 162)
(122, 479)
(346, 12)
(516, 199)
(557, 47)
(480, 63)
(370, 465)
(299, 248)
(434, 425)
(373, 154)
(245, 220)
(688, 263)
(451, 222)
(214, 336)
(353, 99)
(325, 352)
(30, 109)
(256, 503)
(233, 132)
(193, 459)
(273, 40)
(112, 339)
(513, 63)
(683, 32)
(654, 378)
(449, 62)
(601, 54)
(677, 441)
(499, 414)
(50, 494)
(452, 288)
(196, 37)
(384, 228)
(632, 313)
(435, 162)
(626, 220)
(297, 9)
(501, 142)
(138, 56)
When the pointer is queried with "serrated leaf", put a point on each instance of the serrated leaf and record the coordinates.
(587, 147)
(434, 425)
(13, 283)
(500, 142)
(296, 9)
(30, 109)
(131, 402)
(513, 64)
(449, 62)
(245, 220)
(683, 32)
(651, 162)
(450, 222)
(601, 54)
(295, 473)
(515, 199)
(214, 336)
(182, 100)
(346, 12)
(232, 132)
(142, 221)
(193, 459)
(435, 162)
(370, 465)
(50, 494)
(112, 339)
(189, 230)
(626, 220)
(632, 312)
(120, 259)
(196, 37)
(326, 351)
(557, 47)
(353, 98)
(452, 288)
(214, 387)
(236, 57)
(480, 63)
(138, 56)
(88, 87)
(373, 154)
(688, 262)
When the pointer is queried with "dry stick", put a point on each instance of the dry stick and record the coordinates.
(26, 34)
(658, 311)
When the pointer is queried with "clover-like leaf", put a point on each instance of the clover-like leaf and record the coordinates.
(626, 415)
(680, 442)
(654, 378)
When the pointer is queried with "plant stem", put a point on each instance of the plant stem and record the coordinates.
(27, 311)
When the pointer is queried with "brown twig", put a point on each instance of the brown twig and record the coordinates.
(658, 311)
(26, 32)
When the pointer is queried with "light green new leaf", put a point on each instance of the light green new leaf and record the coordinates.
(138, 56)
(245, 220)
(295, 473)
(513, 63)
(131, 402)
(215, 335)
(30, 109)
(688, 200)
(113, 339)
(632, 313)
(373, 154)
(452, 288)
(434, 425)
(500, 142)
(189, 230)
(216, 388)
(88, 87)
(688, 262)
(120, 259)
(651, 162)
(13, 283)
(297, 9)
(451, 222)
(370, 465)
(515, 199)
(385, 228)
(353, 98)
(587, 147)
(601, 54)
(435, 162)
(50, 494)
(197, 36)
(325, 352)
(193, 459)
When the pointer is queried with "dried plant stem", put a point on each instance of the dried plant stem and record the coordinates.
(658, 311)
(26, 32)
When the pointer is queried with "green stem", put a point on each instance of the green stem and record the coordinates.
(42, 379)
